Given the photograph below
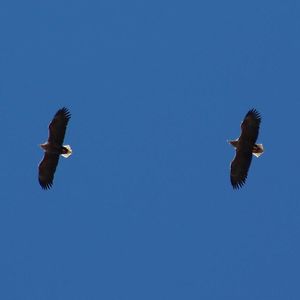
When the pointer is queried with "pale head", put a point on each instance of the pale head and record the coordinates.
(233, 143)
(44, 146)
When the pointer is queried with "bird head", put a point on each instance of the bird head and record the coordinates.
(233, 143)
(43, 146)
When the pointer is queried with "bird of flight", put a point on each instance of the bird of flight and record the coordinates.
(54, 147)
(245, 146)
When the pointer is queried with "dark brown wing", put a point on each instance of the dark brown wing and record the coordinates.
(250, 126)
(240, 166)
(58, 125)
(47, 169)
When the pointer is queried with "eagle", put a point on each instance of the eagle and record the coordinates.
(54, 147)
(245, 147)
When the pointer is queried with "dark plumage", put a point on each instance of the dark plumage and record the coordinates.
(54, 147)
(245, 146)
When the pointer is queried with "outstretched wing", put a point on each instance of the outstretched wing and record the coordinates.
(239, 167)
(47, 169)
(250, 126)
(58, 126)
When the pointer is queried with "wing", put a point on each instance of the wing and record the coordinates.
(47, 169)
(58, 126)
(250, 126)
(240, 166)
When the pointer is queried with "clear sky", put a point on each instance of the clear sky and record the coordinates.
(144, 209)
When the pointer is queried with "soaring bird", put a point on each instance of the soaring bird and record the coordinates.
(54, 147)
(245, 146)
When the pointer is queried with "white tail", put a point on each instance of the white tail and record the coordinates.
(66, 155)
(261, 147)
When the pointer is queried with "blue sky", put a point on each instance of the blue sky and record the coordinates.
(144, 209)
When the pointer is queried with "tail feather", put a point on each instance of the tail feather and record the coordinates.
(68, 147)
(259, 151)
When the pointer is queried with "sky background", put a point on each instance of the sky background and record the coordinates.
(144, 209)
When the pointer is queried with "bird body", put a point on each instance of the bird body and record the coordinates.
(257, 149)
(64, 150)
